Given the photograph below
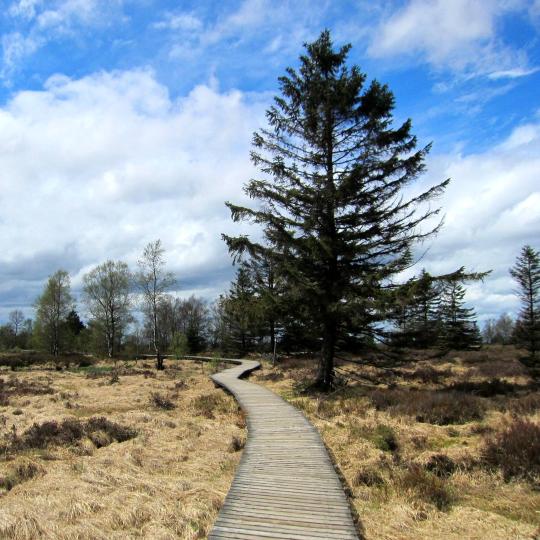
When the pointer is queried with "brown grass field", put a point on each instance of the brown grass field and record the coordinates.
(411, 479)
(412, 445)
(169, 481)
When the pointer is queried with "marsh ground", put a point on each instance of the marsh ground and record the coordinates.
(73, 480)
(411, 443)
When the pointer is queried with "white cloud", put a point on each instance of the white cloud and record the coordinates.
(284, 25)
(95, 168)
(492, 210)
(515, 73)
(48, 21)
(461, 35)
(25, 9)
(16, 47)
(180, 21)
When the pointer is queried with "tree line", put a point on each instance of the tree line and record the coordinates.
(112, 295)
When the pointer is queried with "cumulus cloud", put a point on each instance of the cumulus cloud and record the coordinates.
(491, 211)
(460, 35)
(95, 168)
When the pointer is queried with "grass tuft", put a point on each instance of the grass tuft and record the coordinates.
(161, 402)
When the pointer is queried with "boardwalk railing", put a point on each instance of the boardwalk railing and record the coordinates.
(285, 486)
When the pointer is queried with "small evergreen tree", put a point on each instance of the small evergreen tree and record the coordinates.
(417, 312)
(526, 272)
(337, 224)
(241, 313)
(459, 329)
(269, 290)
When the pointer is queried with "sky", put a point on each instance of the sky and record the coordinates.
(124, 121)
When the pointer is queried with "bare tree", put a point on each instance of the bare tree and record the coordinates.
(16, 319)
(107, 296)
(153, 282)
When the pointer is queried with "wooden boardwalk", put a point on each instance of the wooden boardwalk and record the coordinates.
(285, 486)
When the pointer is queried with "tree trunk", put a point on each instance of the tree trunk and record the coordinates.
(325, 379)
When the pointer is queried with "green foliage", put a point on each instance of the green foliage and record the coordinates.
(526, 272)
(459, 329)
(52, 309)
(385, 439)
(179, 345)
(241, 312)
(106, 293)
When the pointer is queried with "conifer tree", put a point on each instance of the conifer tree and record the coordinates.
(241, 312)
(330, 198)
(459, 329)
(526, 272)
(417, 316)
(269, 290)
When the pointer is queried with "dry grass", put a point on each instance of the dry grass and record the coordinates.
(169, 481)
(423, 476)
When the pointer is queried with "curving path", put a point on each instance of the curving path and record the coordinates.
(285, 486)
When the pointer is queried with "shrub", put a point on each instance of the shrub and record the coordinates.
(500, 368)
(70, 431)
(236, 444)
(440, 465)
(428, 374)
(434, 407)
(386, 399)
(208, 404)
(427, 487)
(20, 473)
(515, 450)
(271, 376)
(21, 387)
(161, 402)
(116, 431)
(442, 408)
(529, 404)
(86, 362)
(385, 438)
(490, 388)
(367, 477)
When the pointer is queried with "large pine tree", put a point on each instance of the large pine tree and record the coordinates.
(331, 197)
(526, 272)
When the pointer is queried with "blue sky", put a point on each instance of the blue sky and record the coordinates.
(122, 121)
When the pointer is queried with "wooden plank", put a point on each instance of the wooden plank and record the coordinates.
(285, 487)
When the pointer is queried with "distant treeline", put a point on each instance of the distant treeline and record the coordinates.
(258, 314)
